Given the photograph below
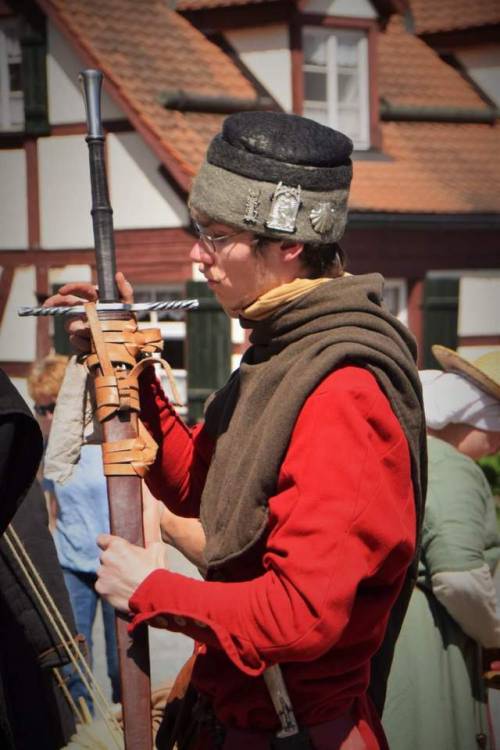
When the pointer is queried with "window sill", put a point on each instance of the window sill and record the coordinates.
(370, 154)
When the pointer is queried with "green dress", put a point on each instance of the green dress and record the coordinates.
(436, 698)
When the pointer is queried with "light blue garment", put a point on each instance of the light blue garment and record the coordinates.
(84, 599)
(82, 513)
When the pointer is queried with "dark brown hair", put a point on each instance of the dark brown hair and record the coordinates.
(319, 260)
(323, 260)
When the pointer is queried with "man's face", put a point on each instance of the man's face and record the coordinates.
(235, 271)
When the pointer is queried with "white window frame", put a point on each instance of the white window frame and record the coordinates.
(169, 329)
(6, 95)
(330, 37)
(401, 286)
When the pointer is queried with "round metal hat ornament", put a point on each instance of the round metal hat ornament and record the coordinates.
(483, 371)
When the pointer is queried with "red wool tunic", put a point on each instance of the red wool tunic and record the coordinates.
(316, 593)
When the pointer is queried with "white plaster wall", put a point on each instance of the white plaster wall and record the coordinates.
(479, 306)
(350, 8)
(140, 195)
(237, 332)
(235, 361)
(65, 274)
(64, 97)
(483, 65)
(65, 200)
(265, 50)
(13, 200)
(18, 335)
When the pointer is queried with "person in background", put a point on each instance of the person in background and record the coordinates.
(436, 694)
(43, 383)
(81, 515)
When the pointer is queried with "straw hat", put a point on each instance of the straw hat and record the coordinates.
(483, 371)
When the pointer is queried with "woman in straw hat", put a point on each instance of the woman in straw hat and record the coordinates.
(436, 694)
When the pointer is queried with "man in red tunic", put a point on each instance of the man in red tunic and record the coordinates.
(307, 473)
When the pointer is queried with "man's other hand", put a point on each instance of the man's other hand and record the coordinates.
(124, 567)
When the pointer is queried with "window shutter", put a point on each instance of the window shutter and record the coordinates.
(208, 357)
(440, 316)
(34, 71)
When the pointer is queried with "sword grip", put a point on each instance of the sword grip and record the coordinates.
(102, 213)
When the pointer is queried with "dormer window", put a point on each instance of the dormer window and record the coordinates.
(11, 89)
(336, 80)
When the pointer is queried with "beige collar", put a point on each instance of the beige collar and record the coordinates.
(270, 301)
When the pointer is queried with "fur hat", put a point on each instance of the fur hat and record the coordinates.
(277, 175)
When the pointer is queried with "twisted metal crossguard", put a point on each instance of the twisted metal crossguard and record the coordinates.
(179, 304)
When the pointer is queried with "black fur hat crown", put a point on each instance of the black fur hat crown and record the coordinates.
(277, 175)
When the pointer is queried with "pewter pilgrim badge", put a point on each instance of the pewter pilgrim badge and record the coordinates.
(322, 217)
(284, 208)
(252, 206)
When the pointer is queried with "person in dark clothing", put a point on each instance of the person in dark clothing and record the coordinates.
(21, 446)
(33, 709)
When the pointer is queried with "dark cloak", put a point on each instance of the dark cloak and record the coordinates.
(33, 711)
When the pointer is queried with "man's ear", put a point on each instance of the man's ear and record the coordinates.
(291, 251)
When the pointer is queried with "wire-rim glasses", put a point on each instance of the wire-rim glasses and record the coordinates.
(210, 242)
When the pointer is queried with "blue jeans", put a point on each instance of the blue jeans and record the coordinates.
(84, 598)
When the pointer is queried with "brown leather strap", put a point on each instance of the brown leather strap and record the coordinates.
(133, 456)
(117, 343)
(98, 340)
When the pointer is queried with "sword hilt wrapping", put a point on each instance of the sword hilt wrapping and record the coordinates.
(102, 221)
(115, 363)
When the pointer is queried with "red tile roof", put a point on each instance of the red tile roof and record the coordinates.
(385, 7)
(411, 73)
(448, 15)
(186, 5)
(432, 168)
(145, 49)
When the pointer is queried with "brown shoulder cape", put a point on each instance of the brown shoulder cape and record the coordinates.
(252, 417)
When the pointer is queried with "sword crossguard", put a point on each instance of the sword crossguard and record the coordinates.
(178, 304)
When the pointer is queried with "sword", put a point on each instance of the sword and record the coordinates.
(124, 492)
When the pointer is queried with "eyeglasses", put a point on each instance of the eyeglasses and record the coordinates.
(213, 244)
(43, 410)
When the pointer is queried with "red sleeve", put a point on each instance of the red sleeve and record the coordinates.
(344, 513)
(178, 475)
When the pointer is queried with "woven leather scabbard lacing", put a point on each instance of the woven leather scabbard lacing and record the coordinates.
(121, 352)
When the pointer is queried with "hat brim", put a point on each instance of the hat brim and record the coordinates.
(451, 361)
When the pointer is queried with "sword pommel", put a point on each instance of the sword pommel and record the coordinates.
(91, 85)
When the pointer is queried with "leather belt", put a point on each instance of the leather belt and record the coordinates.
(341, 733)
